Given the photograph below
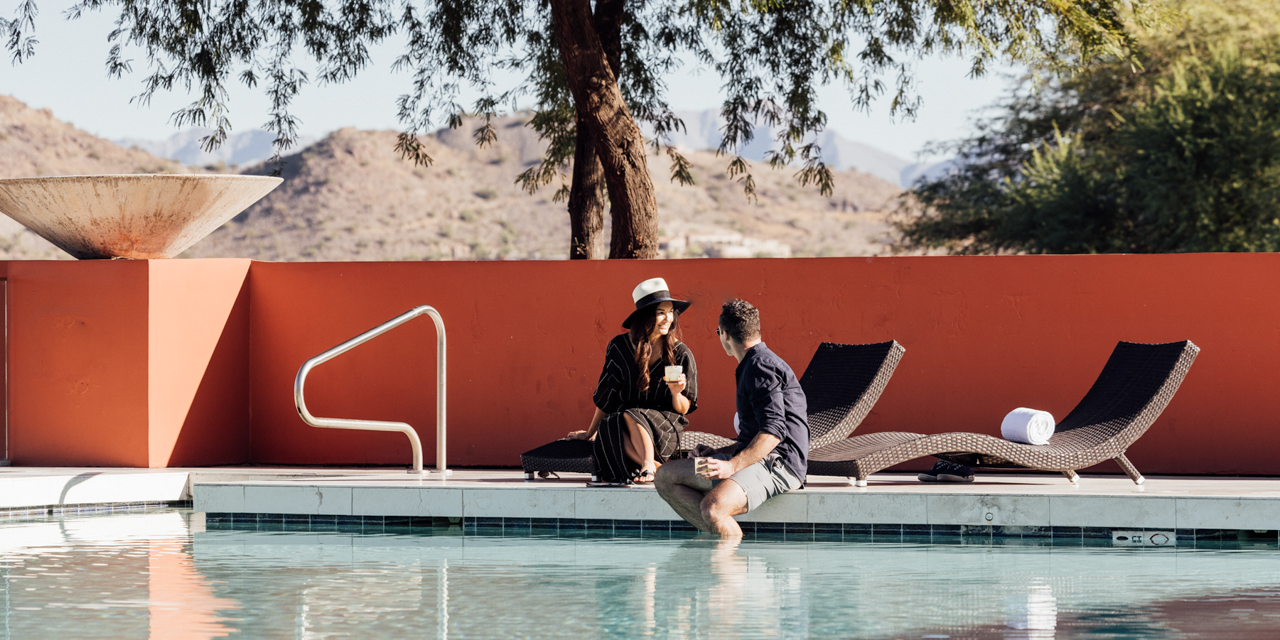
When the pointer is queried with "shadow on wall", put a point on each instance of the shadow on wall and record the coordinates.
(216, 427)
(198, 350)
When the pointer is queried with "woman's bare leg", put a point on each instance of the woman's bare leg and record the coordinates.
(641, 454)
(636, 453)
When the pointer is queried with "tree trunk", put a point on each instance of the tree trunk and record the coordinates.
(608, 23)
(587, 191)
(612, 131)
(586, 200)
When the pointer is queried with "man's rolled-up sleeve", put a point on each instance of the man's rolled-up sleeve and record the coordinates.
(768, 405)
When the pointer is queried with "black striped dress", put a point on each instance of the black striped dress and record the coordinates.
(617, 393)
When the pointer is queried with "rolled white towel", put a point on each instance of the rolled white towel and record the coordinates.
(1028, 426)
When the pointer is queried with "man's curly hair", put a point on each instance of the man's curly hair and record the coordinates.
(740, 320)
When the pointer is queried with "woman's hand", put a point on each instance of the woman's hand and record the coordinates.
(679, 403)
(677, 386)
(590, 433)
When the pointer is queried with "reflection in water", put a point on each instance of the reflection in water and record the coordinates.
(182, 605)
(335, 604)
(125, 575)
(1241, 615)
(741, 586)
(1035, 613)
(442, 609)
(147, 575)
(650, 597)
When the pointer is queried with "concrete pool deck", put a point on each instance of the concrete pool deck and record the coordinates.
(1009, 503)
(1003, 500)
(29, 490)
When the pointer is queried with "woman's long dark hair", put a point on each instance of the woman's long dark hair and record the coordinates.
(641, 329)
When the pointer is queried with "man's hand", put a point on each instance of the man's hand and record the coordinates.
(703, 450)
(677, 385)
(718, 469)
(756, 450)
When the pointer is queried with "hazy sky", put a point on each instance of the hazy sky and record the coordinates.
(68, 76)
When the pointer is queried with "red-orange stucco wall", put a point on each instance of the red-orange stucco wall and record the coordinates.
(983, 335)
(78, 363)
(120, 363)
(128, 363)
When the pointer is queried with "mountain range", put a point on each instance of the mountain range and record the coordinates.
(702, 132)
(350, 196)
(238, 150)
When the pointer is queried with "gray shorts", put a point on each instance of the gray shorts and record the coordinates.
(762, 480)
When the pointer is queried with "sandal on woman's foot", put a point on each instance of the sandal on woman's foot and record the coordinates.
(644, 477)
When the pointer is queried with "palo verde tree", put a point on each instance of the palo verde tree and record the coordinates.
(592, 71)
(1179, 154)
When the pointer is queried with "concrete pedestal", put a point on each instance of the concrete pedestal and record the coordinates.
(128, 363)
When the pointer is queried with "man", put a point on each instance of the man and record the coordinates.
(771, 454)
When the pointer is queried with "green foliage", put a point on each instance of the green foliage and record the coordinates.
(1180, 155)
(770, 57)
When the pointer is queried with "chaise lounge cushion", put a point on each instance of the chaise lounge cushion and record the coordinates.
(567, 456)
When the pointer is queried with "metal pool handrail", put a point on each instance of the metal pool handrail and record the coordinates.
(379, 425)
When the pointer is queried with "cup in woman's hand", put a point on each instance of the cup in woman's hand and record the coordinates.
(673, 372)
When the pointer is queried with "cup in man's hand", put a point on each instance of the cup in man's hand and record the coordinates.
(701, 467)
(673, 373)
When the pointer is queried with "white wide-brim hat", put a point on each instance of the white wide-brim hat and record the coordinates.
(650, 293)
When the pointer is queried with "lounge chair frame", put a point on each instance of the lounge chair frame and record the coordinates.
(1133, 389)
(841, 385)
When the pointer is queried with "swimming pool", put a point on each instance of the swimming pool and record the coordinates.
(159, 574)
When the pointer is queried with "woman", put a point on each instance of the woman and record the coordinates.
(639, 415)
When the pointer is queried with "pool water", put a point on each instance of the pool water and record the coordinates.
(159, 574)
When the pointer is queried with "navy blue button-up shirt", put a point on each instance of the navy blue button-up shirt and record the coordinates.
(770, 400)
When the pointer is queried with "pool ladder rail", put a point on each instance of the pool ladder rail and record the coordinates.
(300, 381)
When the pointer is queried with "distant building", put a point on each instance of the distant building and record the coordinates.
(723, 245)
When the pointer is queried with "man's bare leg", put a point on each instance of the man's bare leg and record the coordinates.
(683, 490)
(721, 504)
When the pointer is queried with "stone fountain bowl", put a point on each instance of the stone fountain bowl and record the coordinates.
(139, 216)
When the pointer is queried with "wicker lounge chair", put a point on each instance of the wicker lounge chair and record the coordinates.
(559, 456)
(1136, 384)
(841, 384)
